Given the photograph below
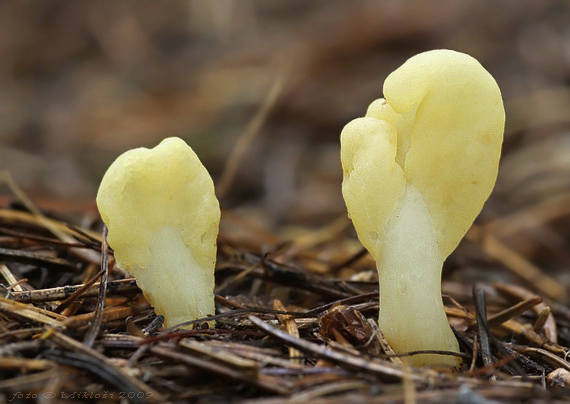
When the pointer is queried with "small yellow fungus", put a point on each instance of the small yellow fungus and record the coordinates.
(417, 170)
(163, 219)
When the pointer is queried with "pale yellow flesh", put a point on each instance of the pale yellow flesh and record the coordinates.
(417, 171)
(412, 317)
(163, 219)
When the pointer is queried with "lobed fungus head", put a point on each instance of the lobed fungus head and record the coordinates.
(440, 128)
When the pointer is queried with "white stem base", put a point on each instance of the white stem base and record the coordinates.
(412, 316)
(174, 283)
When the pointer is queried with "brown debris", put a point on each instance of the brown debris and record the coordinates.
(328, 346)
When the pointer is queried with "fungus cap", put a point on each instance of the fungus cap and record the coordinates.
(439, 128)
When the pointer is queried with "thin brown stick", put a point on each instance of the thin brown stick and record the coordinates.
(513, 311)
(77, 293)
(118, 287)
(98, 318)
(239, 150)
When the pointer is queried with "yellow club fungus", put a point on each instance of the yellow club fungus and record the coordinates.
(417, 170)
(163, 219)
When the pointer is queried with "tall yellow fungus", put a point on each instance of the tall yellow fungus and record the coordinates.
(417, 170)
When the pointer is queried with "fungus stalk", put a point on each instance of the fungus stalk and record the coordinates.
(409, 274)
(417, 170)
(163, 218)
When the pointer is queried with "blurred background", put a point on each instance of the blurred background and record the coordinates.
(261, 90)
